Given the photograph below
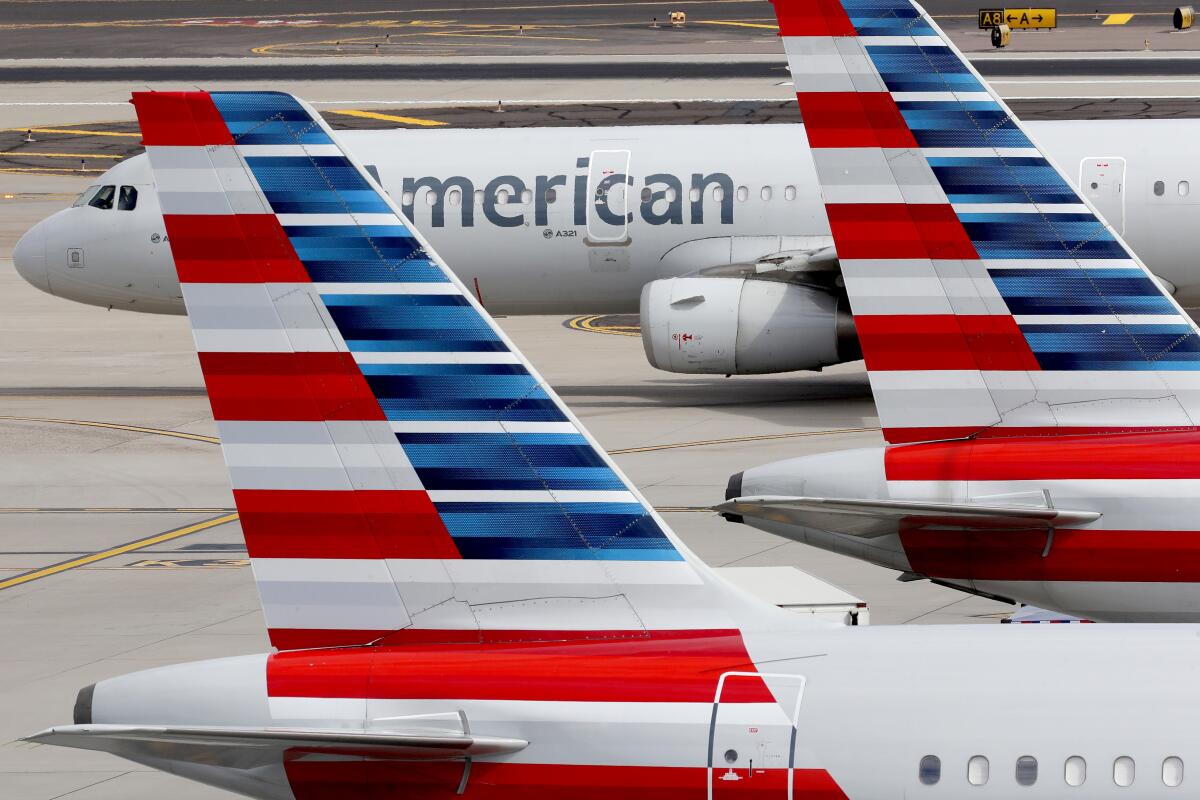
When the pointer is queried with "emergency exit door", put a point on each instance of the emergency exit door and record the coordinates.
(752, 739)
(1102, 181)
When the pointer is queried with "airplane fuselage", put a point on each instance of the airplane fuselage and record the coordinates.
(579, 220)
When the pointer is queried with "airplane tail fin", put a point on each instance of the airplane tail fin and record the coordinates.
(990, 299)
(401, 471)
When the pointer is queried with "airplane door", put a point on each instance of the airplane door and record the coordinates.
(752, 740)
(1102, 181)
(610, 203)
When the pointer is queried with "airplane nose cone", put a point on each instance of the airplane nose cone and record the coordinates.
(29, 257)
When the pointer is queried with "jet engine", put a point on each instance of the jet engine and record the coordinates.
(743, 326)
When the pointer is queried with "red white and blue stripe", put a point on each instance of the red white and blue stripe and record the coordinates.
(397, 464)
(970, 263)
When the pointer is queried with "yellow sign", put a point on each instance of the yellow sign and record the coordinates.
(990, 17)
(1030, 18)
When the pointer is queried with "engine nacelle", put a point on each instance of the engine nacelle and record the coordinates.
(729, 326)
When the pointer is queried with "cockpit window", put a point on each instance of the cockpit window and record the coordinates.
(103, 198)
(84, 196)
(127, 201)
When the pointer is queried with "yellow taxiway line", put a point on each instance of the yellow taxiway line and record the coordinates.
(350, 112)
(72, 130)
(1117, 19)
(195, 437)
(588, 323)
(128, 547)
(36, 154)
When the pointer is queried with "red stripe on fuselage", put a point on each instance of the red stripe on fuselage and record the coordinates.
(232, 248)
(813, 18)
(853, 119)
(942, 342)
(1134, 456)
(497, 780)
(176, 119)
(888, 231)
(308, 638)
(682, 668)
(287, 386)
(1075, 555)
(351, 524)
(935, 433)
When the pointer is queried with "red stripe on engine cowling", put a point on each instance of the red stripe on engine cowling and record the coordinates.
(320, 779)
(1075, 555)
(680, 667)
(351, 524)
(853, 119)
(176, 119)
(886, 231)
(287, 386)
(232, 248)
(1134, 456)
(813, 18)
(943, 342)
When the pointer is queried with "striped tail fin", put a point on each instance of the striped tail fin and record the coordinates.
(990, 298)
(401, 471)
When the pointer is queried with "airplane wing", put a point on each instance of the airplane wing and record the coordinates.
(872, 518)
(237, 746)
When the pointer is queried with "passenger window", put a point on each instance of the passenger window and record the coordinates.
(526, 195)
(454, 197)
(479, 197)
(1075, 771)
(977, 770)
(104, 198)
(127, 200)
(502, 196)
(646, 194)
(930, 771)
(789, 193)
(1123, 771)
(1185, 188)
(551, 195)
(1026, 771)
(1160, 188)
(718, 193)
(766, 193)
(693, 194)
(743, 194)
(406, 199)
(85, 196)
(430, 197)
(671, 194)
(1172, 773)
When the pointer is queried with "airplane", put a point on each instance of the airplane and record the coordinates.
(1036, 386)
(468, 597)
(730, 264)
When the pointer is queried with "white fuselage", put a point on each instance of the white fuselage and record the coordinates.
(565, 220)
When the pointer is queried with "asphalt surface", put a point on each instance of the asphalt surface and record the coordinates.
(161, 28)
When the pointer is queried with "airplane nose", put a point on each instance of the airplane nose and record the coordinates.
(29, 257)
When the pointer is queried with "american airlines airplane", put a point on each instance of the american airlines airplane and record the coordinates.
(467, 595)
(1037, 388)
(575, 220)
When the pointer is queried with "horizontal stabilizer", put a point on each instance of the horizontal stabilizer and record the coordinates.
(872, 518)
(130, 740)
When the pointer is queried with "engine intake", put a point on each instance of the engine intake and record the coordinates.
(738, 326)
